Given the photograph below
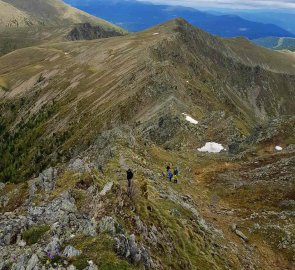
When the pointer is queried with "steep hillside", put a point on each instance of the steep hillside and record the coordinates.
(75, 115)
(52, 12)
(13, 17)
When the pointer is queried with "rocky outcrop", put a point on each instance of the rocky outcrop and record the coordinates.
(128, 248)
(86, 31)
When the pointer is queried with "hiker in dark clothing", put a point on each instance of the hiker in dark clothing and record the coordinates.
(176, 171)
(168, 168)
(129, 178)
(170, 175)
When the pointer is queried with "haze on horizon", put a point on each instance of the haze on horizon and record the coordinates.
(230, 4)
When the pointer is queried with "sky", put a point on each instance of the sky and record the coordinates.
(231, 4)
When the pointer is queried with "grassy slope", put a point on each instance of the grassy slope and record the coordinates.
(30, 23)
(253, 55)
(57, 12)
(13, 17)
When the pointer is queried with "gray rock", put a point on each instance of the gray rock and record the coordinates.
(108, 225)
(108, 186)
(2, 265)
(33, 263)
(10, 227)
(234, 228)
(78, 165)
(241, 235)
(128, 248)
(2, 185)
(53, 248)
(287, 205)
(92, 266)
(21, 263)
(56, 211)
(87, 226)
(4, 200)
(70, 251)
(47, 179)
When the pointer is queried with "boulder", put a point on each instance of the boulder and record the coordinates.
(108, 186)
(33, 263)
(70, 252)
(47, 179)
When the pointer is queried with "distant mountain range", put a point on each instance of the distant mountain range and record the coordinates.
(280, 18)
(137, 16)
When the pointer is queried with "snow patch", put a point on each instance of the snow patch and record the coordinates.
(155, 34)
(279, 148)
(211, 147)
(190, 119)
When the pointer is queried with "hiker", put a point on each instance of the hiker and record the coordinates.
(129, 178)
(175, 178)
(168, 168)
(170, 175)
(176, 171)
(175, 175)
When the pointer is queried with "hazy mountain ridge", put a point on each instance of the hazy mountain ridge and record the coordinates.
(137, 16)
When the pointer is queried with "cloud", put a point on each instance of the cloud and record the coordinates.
(253, 4)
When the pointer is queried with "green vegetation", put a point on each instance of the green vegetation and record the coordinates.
(100, 250)
(26, 151)
(35, 233)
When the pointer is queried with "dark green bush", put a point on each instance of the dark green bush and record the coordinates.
(35, 233)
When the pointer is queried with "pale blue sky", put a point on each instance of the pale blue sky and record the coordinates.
(264, 4)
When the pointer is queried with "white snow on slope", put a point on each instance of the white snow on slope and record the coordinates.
(190, 119)
(211, 147)
(278, 148)
(155, 34)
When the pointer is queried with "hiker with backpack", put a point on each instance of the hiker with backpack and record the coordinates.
(170, 175)
(129, 182)
(175, 175)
